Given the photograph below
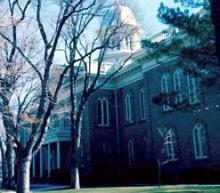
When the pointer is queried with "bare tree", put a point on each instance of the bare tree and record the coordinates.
(13, 68)
(168, 149)
(88, 76)
(36, 121)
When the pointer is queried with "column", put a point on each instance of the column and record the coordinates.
(58, 155)
(48, 161)
(41, 162)
(33, 167)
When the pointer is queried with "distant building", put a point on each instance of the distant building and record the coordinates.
(125, 133)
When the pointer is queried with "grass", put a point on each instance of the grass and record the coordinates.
(163, 189)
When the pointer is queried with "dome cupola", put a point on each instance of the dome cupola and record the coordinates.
(118, 13)
(127, 39)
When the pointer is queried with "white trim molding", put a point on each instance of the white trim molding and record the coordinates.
(103, 112)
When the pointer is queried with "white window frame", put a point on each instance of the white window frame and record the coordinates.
(177, 84)
(170, 145)
(131, 156)
(142, 105)
(192, 89)
(102, 123)
(200, 141)
(128, 42)
(128, 109)
(166, 89)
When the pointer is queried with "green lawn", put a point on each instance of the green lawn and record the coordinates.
(164, 189)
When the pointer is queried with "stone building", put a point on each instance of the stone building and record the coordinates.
(125, 135)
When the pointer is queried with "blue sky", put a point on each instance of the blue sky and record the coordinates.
(146, 14)
(145, 11)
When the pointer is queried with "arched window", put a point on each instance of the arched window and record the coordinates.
(192, 87)
(142, 105)
(170, 145)
(66, 120)
(131, 157)
(166, 89)
(56, 121)
(128, 109)
(103, 112)
(102, 150)
(178, 85)
(118, 46)
(105, 153)
(200, 141)
(145, 147)
(99, 104)
(128, 42)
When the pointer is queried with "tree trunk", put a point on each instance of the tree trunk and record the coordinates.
(10, 166)
(4, 172)
(159, 172)
(4, 165)
(74, 177)
(74, 165)
(75, 130)
(23, 175)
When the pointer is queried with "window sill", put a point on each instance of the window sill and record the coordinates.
(143, 119)
(129, 123)
(99, 125)
(170, 161)
(201, 158)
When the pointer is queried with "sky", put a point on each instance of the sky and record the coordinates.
(146, 14)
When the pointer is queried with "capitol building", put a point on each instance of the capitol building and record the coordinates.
(125, 135)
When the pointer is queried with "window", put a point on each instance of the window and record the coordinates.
(128, 109)
(105, 153)
(131, 157)
(102, 150)
(177, 83)
(56, 121)
(200, 141)
(66, 120)
(166, 89)
(145, 147)
(142, 105)
(115, 44)
(103, 112)
(192, 88)
(128, 42)
(118, 46)
(170, 145)
(99, 111)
